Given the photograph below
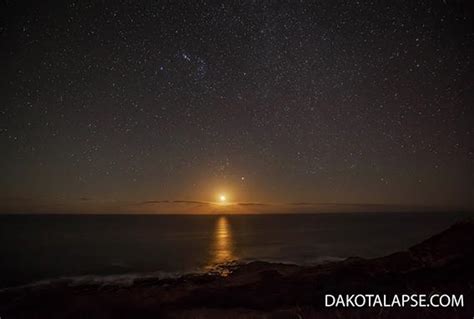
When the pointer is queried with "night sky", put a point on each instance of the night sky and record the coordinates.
(159, 106)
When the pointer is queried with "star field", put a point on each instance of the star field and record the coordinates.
(310, 101)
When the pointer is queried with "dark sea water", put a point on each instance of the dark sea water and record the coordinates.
(40, 247)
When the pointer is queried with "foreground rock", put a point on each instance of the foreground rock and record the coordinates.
(442, 264)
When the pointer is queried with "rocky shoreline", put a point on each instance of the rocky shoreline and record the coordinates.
(443, 263)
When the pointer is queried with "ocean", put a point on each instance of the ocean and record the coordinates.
(44, 247)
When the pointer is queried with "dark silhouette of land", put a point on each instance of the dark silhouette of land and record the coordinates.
(442, 264)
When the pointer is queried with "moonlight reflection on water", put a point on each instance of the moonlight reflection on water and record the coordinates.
(223, 243)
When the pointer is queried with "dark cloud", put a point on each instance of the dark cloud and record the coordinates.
(166, 201)
(253, 204)
(148, 202)
(301, 204)
(191, 202)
